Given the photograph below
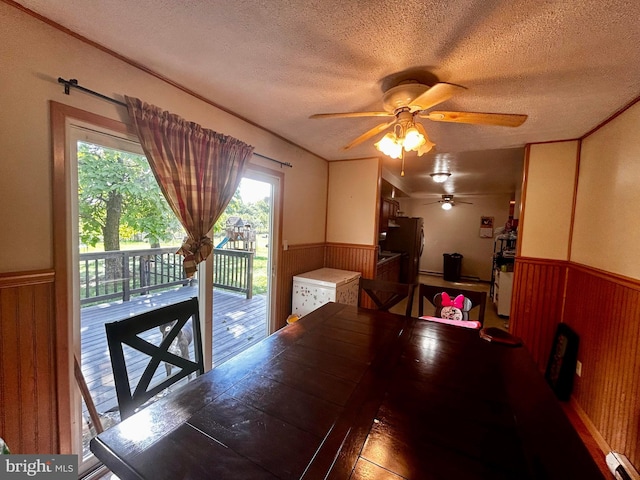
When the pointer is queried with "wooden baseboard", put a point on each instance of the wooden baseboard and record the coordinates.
(591, 437)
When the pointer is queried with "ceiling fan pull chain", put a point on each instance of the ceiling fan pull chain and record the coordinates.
(402, 172)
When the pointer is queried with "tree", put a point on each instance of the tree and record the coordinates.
(233, 209)
(255, 213)
(120, 198)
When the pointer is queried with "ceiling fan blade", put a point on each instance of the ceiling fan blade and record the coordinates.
(435, 95)
(367, 135)
(352, 115)
(498, 119)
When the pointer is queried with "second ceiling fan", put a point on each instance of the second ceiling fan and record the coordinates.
(448, 202)
(411, 99)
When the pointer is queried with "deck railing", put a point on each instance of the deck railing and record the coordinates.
(233, 270)
(135, 272)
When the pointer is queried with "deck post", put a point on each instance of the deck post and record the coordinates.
(126, 289)
(250, 276)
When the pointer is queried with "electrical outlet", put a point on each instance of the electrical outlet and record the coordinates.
(579, 368)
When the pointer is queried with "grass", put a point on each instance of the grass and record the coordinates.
(260, 277)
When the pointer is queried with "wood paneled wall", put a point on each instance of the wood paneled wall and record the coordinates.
(536, 304)
(28, 405)
(604, 310)
(356, 258)
(297, 259)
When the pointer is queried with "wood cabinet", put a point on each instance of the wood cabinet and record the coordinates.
(388, 211)
(389, 269)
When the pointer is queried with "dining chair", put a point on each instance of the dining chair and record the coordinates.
(386, 294)
(429, 292)
(160, 335)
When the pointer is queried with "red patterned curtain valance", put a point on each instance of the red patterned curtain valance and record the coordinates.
(198, 171)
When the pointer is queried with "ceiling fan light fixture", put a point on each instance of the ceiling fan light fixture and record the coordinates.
(413, 139)
(390, 146)
(447, 206)
(410, 138)
(440, 177)
(426, 146)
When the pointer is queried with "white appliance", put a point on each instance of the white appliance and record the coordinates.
(313, 289)
(502, 288)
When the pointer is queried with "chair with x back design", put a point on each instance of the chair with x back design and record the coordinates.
(153, 337)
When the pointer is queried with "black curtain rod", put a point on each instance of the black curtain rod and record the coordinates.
(73, 83)
(282, 164)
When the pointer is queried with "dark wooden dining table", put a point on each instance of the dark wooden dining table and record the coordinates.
(351, 393)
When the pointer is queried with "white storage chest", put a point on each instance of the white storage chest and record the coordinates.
(313, 289)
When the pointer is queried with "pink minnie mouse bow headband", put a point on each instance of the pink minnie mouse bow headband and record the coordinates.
(457, 302)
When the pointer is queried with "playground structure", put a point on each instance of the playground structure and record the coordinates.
(239, 235)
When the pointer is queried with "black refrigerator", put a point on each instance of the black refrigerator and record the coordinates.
(407, 237)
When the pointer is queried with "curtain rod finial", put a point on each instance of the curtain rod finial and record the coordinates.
(67, 84)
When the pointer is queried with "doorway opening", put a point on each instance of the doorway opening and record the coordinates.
(123, 242)
(70, 125)
(108, 283)
(244, 248)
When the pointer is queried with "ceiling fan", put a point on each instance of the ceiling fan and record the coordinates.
(448, 202)
(411, 99)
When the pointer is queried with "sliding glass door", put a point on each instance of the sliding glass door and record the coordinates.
(120, 240)
(244, 237)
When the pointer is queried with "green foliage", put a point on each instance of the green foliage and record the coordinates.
(105, 176)
(235, 205)
(108, 178)
(257, 214)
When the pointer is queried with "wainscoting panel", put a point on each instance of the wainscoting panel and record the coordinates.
(536, 305)
(356, 258)
(604, 310)
(297, 259)
(28, 415)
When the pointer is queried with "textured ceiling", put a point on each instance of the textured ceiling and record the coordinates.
(566, 64)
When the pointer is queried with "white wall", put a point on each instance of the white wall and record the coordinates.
(548, 196)
(458, 231)
(606, 232)
(351, 206)
(34, 55)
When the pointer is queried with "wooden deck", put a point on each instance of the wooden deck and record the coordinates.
(238, 323)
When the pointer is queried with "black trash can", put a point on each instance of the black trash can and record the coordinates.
(452, 267)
